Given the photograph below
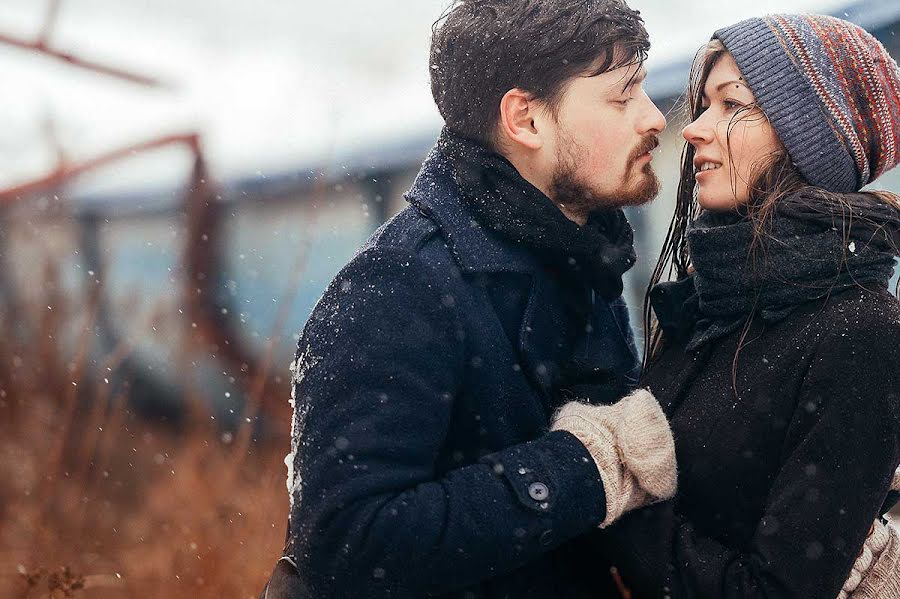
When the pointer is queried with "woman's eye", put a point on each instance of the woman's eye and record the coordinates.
(731, 105)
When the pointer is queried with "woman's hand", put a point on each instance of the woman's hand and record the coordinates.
(876, 572)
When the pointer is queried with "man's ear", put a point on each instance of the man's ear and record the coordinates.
(519, 119)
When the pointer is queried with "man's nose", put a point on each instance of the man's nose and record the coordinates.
(654, 121)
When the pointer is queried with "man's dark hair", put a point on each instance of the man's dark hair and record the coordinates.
(481, 49)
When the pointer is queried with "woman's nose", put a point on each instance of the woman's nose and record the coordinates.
(697, 132)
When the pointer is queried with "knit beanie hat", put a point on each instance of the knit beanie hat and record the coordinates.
(830, 90)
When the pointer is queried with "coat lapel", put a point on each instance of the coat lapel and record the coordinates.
(478, 251)
(542, 338)
(672, 389)
(544, 333)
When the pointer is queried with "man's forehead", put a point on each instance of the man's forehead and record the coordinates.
(638, 75)
(624, 60)
(626, 75)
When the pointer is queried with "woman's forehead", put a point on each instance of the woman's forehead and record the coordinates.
(725, 69)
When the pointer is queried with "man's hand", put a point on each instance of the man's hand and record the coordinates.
(632, 446)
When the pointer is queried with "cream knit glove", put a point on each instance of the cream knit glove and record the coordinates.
(895, 484)
(876, 572)
(632, 446)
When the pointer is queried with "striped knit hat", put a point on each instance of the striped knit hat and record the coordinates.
(830, 90)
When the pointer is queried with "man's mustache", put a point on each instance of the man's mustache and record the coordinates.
(650, 143)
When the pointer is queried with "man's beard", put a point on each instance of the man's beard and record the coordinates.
(579, 198)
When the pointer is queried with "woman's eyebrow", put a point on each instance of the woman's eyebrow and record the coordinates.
(738, 81)
(719, 87)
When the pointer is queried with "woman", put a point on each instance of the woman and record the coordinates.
(776, 353)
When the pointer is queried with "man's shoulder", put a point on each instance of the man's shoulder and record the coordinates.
(409, 234)
(407, 230)
(407, 251)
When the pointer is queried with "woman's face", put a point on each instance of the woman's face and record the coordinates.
(732, 142)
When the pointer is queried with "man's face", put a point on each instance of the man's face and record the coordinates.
(606, 127)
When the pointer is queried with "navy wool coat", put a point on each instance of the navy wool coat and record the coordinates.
(424, 384)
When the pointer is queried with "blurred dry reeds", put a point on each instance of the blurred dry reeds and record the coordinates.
(96, 501)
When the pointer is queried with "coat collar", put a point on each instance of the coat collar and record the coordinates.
(543, 328)
(436, 194)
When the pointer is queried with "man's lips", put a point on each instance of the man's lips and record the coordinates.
(646, 148)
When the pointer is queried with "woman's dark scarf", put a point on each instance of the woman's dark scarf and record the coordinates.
(814, 246)
(501, 200)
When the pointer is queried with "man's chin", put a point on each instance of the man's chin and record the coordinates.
(641, 193)
(580, 199)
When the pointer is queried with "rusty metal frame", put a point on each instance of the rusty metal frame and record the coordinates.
(43, 46)
(66, 172)
(203, 212)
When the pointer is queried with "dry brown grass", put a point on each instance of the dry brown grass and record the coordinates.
(154, 516)
(95, 502)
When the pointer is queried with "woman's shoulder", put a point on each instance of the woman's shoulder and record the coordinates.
(861, 312)
(854, 353)
(858, 330)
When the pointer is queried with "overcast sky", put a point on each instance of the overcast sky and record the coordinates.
(270, 84)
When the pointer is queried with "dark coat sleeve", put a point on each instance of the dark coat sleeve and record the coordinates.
(379, 366)
(842, 448)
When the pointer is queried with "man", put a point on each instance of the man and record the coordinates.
(426, 458)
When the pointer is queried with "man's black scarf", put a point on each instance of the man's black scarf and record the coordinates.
(501, 200)
(815, 245)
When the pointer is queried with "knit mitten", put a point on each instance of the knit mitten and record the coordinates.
(594, 428)
(632, 446)
(876, 572)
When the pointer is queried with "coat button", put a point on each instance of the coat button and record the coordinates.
(538, 491)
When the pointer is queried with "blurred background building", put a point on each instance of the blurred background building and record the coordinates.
(290, 132)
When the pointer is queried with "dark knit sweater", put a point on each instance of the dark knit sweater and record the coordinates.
(782, 474)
